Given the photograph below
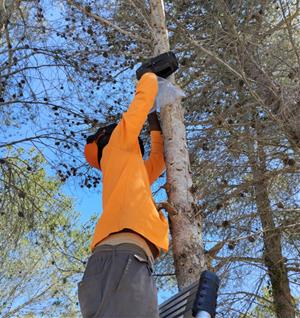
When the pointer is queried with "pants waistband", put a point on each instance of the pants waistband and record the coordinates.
(124, 247)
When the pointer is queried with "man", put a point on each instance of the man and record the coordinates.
(128, 237)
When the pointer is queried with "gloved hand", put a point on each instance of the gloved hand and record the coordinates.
(167, 94)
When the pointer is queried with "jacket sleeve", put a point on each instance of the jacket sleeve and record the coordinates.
(155, 165)
(125, 135)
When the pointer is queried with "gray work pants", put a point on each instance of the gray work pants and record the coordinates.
(118, 282)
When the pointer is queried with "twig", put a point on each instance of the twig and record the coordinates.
(162, 275)
(168, 207)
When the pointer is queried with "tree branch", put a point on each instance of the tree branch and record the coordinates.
(106, 22)
(168, 207)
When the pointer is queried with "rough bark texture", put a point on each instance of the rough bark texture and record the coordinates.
(6, 9)
(273, 259)
(185, 226)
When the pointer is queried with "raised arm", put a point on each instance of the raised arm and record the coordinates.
(127, 132)
(155, 165)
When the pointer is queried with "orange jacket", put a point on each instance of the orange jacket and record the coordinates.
(127, 197)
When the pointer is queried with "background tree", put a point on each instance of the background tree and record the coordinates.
(234, 114)
(42, 249)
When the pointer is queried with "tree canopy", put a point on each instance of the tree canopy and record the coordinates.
(43, 250)
(67, 68)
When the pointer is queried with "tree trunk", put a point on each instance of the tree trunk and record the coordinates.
(185, 223)
(274, 261)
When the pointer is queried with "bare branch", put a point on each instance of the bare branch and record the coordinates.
(168, 207)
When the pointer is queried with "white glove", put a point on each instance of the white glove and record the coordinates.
(167, 94)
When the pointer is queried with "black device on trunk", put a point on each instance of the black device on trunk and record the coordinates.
(162, 65)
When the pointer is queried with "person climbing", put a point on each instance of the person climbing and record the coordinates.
(130, 233)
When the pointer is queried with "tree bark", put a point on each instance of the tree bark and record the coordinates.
(273, 259)
(185, 223)
(6, 10)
